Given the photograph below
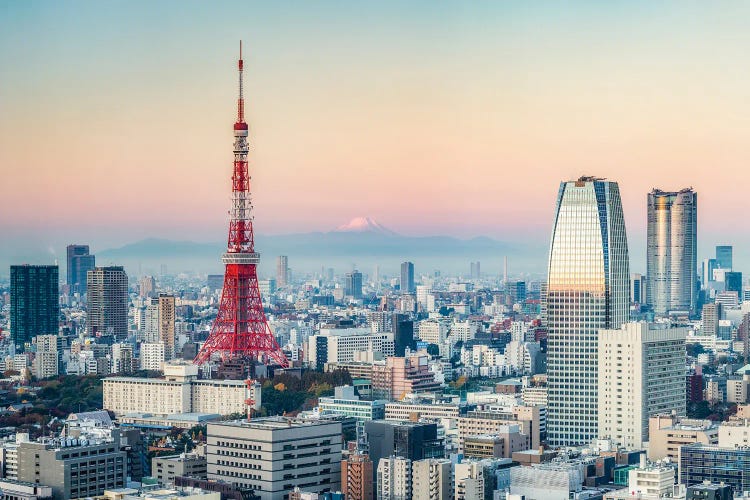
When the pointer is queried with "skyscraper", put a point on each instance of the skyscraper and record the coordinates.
(724, 257)
(672, 250)
(353, 284)
(34, 302)
(79, 263)
(407, 277)
(107, 302)
(588, 290)
(282, 271)
(167, 324)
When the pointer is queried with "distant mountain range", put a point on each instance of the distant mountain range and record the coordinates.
(362, 243)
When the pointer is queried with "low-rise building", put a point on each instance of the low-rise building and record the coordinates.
(668, 432)
(166, 468)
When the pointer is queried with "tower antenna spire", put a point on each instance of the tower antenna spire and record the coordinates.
(240, 99)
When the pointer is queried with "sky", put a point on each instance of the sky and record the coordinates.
(451, 118)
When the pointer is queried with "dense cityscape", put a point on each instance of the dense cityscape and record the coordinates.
(596, 381)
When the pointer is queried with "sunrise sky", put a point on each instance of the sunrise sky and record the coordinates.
(455, 118)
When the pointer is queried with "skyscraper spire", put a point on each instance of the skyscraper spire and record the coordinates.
(241, 329)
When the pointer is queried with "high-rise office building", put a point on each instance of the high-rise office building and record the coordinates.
(282, 271)
(707, 271)
(476, 270)
(733, 282)
(79, 262)
(34, 302)
(403, 333)
(672, 250)
(587, 290)
(638, 288)
(353, 285)
(107, 302)
(147, 287)
(724, 257)
(407, 277)
(641, 374)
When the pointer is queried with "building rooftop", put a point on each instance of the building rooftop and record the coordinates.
(272, 423)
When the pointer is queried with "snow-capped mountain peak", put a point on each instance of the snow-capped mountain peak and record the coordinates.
(364, 225)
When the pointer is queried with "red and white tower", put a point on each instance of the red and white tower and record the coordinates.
(241, 329)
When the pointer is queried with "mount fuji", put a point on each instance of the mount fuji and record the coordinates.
(365, 225)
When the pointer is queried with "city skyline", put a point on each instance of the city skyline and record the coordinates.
(520, 107)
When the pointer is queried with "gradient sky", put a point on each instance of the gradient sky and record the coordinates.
(456, 118)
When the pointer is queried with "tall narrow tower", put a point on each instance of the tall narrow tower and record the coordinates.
(241, 329)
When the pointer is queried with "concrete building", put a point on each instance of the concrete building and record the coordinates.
(667, 433)
(122, 358)
(20, 490)
(588, 289)
(274, 455)
(432, 332)
(152, 356)
(167, 325)
(107, 311)
(166, 468)
(411, 440)
(734, 433)
(469, 481)
(432, 479)
(400, 411)
(345, 402)
(508, 432)
(179, 392)
(394, 378)
(357, 477)
(394, 479)
(282, 271)
(531, 422)
(641, 374)
(74, 468)
(339, 345)
(550, 481)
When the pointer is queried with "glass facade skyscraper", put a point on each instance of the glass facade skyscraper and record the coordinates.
(672, 250)
(407, 277)
(34, 303)
(588, 289)
(724, 256)
(80, 262)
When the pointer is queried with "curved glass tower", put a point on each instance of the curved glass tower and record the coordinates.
(672, 253)
(587, 290)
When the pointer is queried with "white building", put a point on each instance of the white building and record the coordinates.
(432, 332)
(469, 481)
(463, 331)
(641, 372)
(340, 345)
(122, 358)
(179, 392)
(432, 479)
(553, 481)
(152, 356)
(275, 455)
(394, 479)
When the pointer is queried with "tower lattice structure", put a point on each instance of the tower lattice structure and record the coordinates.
(241, 329)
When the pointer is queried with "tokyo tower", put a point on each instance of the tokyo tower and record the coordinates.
(241, 329)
